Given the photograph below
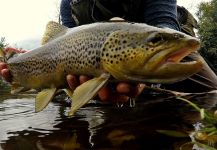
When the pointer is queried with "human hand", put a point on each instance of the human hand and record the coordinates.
(4, 71)
(121, 92)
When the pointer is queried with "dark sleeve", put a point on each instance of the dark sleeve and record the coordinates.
(66, 14)
(161, 13)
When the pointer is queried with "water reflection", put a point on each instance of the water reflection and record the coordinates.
(98, 126)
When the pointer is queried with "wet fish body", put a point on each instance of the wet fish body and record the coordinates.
(126, 51)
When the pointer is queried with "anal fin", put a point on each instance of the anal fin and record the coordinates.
(16, 88)
(43, 98)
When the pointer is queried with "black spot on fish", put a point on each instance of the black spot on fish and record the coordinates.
(97, 59)
(94, 62)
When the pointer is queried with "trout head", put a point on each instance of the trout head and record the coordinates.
(150, 55)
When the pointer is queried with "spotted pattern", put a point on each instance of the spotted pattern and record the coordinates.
(82, 50)
(122, 46)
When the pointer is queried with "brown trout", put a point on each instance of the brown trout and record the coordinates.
(122, 51)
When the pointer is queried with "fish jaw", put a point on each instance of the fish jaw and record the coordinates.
(167, 73)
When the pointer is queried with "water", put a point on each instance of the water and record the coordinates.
(98, 126)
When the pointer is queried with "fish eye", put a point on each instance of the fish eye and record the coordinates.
(155, 40)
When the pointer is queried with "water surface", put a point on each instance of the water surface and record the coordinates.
(98, 126)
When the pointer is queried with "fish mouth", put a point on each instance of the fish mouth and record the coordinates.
(169, 66)
(174, 66)
(176, 55)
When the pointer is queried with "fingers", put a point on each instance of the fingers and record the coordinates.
(113, 93)
(10, 49)
(104, 94)
(83, 78)
(4, 72)
(129, 89)
(2, 66)
(120, 98)
(123, 92)
(72, 81)
(6, 75)
(124, 88)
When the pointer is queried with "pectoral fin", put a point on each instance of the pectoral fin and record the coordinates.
(43, 98)
(86, 91)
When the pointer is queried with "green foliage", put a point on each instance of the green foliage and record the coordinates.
(2, 42)
(207, 15)
(2, 46)
(206, 136)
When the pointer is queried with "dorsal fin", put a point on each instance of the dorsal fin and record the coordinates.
(117, 19)
(53, 30)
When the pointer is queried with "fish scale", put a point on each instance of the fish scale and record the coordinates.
(130, 52)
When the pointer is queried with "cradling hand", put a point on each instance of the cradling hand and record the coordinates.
(120, 92)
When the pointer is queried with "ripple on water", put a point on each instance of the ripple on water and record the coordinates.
(18, 114)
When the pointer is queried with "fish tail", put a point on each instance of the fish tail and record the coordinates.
(2, 55)
(9, 52)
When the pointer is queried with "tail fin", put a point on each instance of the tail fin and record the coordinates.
(2, 55)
